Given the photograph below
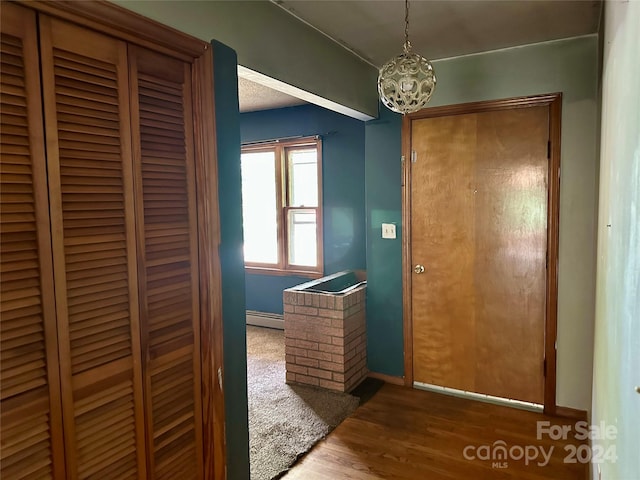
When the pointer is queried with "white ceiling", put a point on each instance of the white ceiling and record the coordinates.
(374, 29)
(254, 96)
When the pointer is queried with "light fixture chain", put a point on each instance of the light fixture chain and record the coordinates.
(407, 45)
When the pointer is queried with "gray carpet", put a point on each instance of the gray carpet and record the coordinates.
(284, 421)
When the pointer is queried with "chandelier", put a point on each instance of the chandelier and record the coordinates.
(406, 82)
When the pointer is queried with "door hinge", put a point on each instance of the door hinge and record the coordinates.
(414, 156)
(220, 378)
(402, 160)
(548, 149)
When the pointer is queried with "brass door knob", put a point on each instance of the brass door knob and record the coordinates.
(418, 269)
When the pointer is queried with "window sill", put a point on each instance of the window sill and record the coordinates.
(282, 273)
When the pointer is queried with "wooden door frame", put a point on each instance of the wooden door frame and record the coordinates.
(554, 102)
(123, 24)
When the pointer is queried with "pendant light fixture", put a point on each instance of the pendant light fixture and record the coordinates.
(406, 82)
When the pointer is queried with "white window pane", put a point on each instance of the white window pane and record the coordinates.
(303, 178)
(259, 210)
(302, 238)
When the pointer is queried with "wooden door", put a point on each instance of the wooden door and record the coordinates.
(479, 227)
(86, 106)
(167, 261)
(31, 420)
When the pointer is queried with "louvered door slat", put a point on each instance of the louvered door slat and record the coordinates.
(168, 265)
(30, 409)
(91, 196)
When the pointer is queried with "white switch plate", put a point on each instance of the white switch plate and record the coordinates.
(388, 230)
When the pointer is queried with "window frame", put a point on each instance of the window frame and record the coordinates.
(283, 205)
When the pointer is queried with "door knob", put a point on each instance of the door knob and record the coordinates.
(418, 269)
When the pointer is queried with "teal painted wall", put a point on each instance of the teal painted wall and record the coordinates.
(567, 66)
(342, 191)
(232, 263)
(383, 175)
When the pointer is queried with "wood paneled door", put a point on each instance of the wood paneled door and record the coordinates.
(477, 196)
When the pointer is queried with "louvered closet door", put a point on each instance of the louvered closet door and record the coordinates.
(31, 431)
(163, 153)
(85, 89)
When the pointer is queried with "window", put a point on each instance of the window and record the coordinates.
(282, 207)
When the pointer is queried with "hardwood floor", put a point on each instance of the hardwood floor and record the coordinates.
(408, 434)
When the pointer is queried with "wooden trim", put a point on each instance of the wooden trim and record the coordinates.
(486, 106)
(320, 211)
(554, 102)
(276, 272)
(194, 250)
(553, 234)
(387, 378)
(116, 21)
(57, 244)
(406, 252)
(573, 413)
(213, 414)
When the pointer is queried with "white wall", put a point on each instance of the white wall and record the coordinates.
(617, 334)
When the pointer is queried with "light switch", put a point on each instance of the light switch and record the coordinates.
(388, 230)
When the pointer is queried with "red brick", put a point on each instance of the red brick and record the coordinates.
(338, 341)
(290, 358)
(296, 369)
(289, 298)
(329, 313)
(288, 307)
(339, 303)
(295, 318)
(319, 337)
(338, 377)
(314, 372)
(306, 310)
(330, 348)
(306, 379)
(301, 352)
(332, 331)
(334, 367)
(332, 385)
(337, 358)
(309, 362)
(306, 344)
(330, 302)
(322, 301)
(290, 341)
(291, 377)
(319, 355)
(338, 323)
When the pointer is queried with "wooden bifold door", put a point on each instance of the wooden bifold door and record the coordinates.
(100, 326)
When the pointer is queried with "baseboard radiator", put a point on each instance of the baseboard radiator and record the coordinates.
(265, 319)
